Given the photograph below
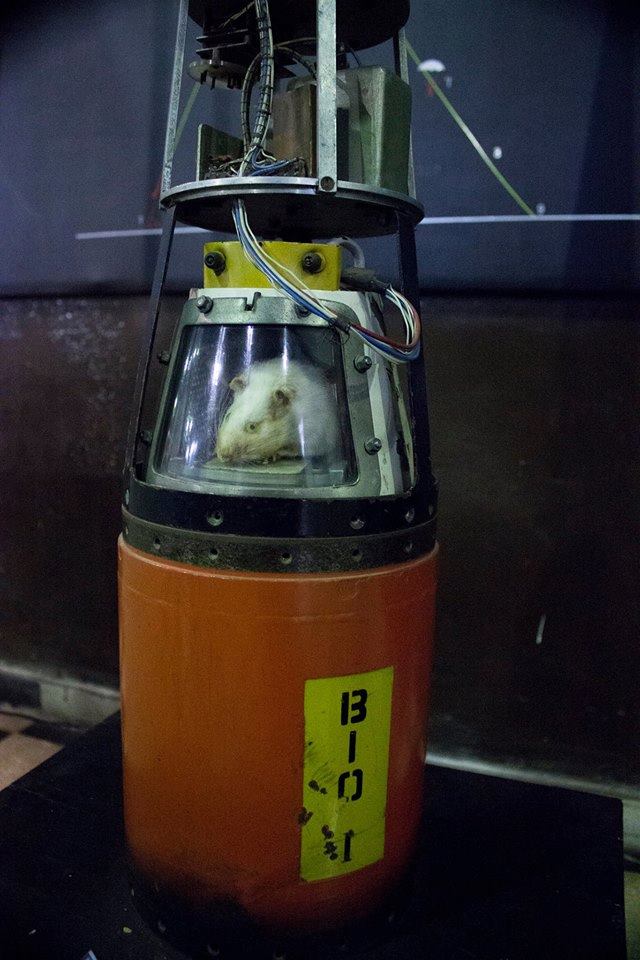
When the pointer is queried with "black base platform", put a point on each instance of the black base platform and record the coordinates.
(507, 871)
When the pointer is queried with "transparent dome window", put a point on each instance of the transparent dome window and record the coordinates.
(257, 406)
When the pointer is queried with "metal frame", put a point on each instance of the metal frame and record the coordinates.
(326, 128)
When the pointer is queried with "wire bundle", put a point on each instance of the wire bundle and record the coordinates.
(258, 161)
(302, 296)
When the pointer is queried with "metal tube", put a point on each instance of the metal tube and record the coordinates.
(326, 98)
(174, 97)
(159, 277)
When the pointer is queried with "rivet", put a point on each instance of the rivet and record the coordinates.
(216, 261)
(204, 304)
(362, 363)
(312, 262)
(373, 445)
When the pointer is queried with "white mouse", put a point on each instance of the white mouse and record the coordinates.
(280, 409)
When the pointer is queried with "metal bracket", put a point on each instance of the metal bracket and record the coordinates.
(174, 97)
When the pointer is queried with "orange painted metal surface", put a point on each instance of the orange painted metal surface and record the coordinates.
(213, 668)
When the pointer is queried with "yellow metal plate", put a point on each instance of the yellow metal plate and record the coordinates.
(240, 272)
(346, 761)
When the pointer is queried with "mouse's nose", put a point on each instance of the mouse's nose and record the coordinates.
(227, 452)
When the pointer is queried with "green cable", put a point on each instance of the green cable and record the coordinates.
(451, 110)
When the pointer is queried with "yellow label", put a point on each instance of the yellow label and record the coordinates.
(346, 762)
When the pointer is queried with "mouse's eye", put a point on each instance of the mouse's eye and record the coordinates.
(252, 427)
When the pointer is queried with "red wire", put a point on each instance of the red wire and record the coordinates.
(394, 343)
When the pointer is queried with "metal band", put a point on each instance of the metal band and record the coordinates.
(280, 516)
(277, 554)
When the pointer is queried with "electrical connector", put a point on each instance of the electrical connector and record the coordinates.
(361, 278)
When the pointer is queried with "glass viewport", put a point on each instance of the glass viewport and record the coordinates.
(258, 406)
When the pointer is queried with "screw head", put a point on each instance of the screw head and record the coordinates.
(216, 261)
(373, 445)
(312, 262)
(204, 304)
(164, 356)
(362, 363)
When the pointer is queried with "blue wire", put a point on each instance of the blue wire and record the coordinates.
(259, 171)
(298, 298)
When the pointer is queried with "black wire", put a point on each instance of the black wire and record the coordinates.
(353, 54)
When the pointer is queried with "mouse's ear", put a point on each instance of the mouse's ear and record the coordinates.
(281, 398)
(238, 383)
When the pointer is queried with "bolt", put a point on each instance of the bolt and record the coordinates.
(216, 261)
(204, 304)
(164, 356)
(312, 262)
(362, 363)
(373, 445)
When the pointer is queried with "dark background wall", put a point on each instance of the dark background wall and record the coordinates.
(534, 400)
(554, 85)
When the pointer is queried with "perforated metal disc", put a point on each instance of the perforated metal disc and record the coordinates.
(287, 207)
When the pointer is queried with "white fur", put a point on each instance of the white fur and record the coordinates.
(292, 408)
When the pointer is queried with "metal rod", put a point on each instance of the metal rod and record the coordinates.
(408, 270)
(174, 97)
(326, 97)
(159, 277)
(400, 55)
